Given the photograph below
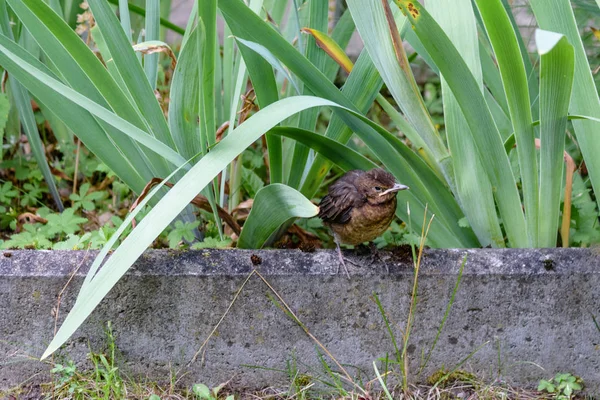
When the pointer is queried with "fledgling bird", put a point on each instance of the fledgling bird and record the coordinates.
(360, 206)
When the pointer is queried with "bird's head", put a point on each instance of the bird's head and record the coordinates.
(379, 186)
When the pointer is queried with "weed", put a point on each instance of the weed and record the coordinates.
(563, 386)
(202, 392)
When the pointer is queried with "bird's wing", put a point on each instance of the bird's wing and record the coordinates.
(342, 198)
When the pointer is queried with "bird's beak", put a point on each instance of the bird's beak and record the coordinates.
(397, 187)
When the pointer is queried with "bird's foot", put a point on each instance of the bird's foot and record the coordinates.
(342, 261)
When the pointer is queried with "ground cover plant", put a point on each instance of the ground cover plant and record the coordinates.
(243, 124)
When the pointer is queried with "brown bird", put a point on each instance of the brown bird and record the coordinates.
(360, 206)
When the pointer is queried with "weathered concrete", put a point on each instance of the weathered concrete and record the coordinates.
(529, 306)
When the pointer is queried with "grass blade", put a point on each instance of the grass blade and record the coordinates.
(514, 79)
(152, 34)
(556, 80)
(125, 19)
(183, 104)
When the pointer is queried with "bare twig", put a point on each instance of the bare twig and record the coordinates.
(76, 165)
(222, 318)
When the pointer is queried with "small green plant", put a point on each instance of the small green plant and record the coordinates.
(563, 386)
(182, 231)
(32, 194)
(202, 392)
(87, 199)
(103, 382)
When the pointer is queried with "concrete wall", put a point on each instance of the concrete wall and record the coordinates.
(529, 306)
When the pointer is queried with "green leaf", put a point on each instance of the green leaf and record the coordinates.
(7, 193)
(202, 391)
(251, 182)
(85, 199)
(514, 78)
(182, 231)
(556, 80)
(183, 104)
(4, 109)
(73, 242)
(131, 71)
(32, 194)
(267, 55)
(207, 18)
(151, 30)
(66, 222)
(546, 386)
(273, 206)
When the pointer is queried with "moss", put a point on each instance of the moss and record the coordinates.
(446, 378)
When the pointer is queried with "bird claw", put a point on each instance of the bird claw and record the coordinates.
(342, 261)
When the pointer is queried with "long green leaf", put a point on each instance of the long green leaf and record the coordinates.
(482, 127)
(557, 16)
(472, 185)
(556, 80)
(207, 16)
(273, 206)
(337, 153)
(514, 79)
(265, 87)
(152, 33)
(183, 104)
(124, 18)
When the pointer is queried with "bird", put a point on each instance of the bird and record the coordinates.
(359, 207)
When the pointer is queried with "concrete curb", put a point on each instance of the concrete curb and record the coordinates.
(531, 307)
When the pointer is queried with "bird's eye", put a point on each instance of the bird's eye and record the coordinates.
(377, 188)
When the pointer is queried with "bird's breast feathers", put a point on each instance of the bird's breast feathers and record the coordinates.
(366, 223)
